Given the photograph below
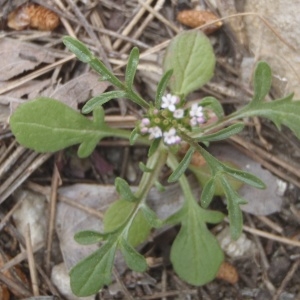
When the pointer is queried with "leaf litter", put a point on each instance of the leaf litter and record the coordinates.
(287, 217)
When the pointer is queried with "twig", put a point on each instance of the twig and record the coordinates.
(271, 236)
(52, 212)
(131, 25)
(16, 286)
(164, 283)
(18, 82)
(286, 279)
(32, 166)
(159, 16)
(90, 32)
(20, 257)
(31, 263)
(45, 191)
(270, 223)
(121, 284)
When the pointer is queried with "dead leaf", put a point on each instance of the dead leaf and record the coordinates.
(19, 56)
(78, 90)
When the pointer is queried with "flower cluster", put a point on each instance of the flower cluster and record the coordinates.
(162, 123)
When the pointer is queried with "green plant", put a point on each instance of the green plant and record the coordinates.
(47, 125)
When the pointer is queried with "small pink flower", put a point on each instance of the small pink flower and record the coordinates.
(155, 132)
(171, 138)
(145, 122)
(169, 101)
(178, 113)
(196, 110)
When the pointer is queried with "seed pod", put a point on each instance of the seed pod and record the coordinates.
(34, 16)
(195, 18)
(228, 273)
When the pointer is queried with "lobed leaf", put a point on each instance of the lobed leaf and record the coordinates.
(182, 166)
(190, 56)
(93, 272)
(224, 133)
(144, 168)
(119, 213)
(161, 88)
(134, 260)
(245, 177)
(78, 48)
(151, 217)
(208, 192)
(106, 74)
(88, 237)
(234, 212)
(124, 190)
(204, 175)
(283, 111)
(153, 147)
(214, 104)
(131, 67)
(47, 125)
(195, 254)
(98, 101)
(262, 81)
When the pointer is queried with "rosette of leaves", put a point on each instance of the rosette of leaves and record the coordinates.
(47, 125)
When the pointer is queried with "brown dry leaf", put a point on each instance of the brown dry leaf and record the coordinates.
(11, 274)
(78, 90)
(4, 293)
(32, 15)
(195, 18)
(31, 89)
(18, 56)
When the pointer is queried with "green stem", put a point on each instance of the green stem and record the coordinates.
(183, 181)
(155, 163)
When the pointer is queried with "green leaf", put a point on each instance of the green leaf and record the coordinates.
(282, 112)
(102, 99)
(106, 74)
(214, 104)
(161, 88)
(224, 133)
(144, 168)
(124, 190)
(195, 254)
(134, 136)
(262, 81)
(93, 272)
(204, 175)
(151, 217)
(234, 212)
(245, 177)
(208, 192)
(134, 260)
(131, 67)
(47, 125)
(88, 237)
(191, 57)
(118, 215)
(78, 48)
(182, 166)
(153, 147)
